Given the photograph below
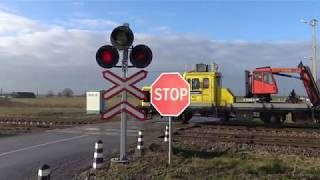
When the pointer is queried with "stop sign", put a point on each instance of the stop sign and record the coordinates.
(170, 94)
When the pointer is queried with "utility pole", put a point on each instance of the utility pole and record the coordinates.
(313, 23)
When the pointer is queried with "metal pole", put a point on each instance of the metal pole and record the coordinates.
(123, 137)
(170, 140)
(313, 23)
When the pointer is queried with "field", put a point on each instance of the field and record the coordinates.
(45, 109)
(42, 112)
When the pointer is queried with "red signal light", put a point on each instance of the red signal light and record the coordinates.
(141, 56)
(107, 56)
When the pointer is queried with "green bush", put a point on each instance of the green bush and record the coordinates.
(274, 167)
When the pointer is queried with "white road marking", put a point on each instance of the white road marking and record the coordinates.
(44, 144)
(131, 134)
(100, 131)
(92, 129)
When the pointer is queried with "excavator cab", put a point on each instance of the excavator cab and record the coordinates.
(261, 82)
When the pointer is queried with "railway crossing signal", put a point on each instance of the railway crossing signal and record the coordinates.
(127, 84)
(141, 56)
(107, 56)
(170, 95)
(128, 108)
(122, 37)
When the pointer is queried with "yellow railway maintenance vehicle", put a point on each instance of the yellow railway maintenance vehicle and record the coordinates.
(209, 98)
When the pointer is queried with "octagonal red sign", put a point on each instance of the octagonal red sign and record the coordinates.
(170, 94)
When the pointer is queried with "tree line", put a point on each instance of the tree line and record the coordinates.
(66, 92)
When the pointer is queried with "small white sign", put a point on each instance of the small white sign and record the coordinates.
(95, 102)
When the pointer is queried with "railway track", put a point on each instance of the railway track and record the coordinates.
(294, 137)
(240, 123)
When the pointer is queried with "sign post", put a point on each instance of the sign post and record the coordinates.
(123, 139)
(170, 140)
(170, 95)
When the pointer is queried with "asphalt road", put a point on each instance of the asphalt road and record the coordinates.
(67, 151)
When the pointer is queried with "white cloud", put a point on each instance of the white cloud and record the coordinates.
(12, 24)
(93, 22)
(162, 29)
(55, 57)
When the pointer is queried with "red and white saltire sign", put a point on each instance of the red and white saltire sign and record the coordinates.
(127, 84)
(127, 107)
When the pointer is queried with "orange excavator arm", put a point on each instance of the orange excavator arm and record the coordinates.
(286, 70)
(310, 84)
(307, 79)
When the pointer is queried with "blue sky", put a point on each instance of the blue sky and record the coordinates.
(51, 45)
(223, 20)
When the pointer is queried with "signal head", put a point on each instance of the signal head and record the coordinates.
(141, 56)
(107, 56)
(122, 37)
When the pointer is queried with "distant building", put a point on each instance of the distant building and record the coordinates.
(23, 95)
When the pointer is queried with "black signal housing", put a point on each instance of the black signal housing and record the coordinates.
(107, 56)
(122, 37)
(140, 56)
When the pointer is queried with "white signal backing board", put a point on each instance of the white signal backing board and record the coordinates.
(95, 102)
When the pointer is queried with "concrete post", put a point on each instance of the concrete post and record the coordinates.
(98, 155)
(140, 147)
(44, 172)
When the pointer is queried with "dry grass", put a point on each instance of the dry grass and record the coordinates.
(76, 102)
(43, 108)
(51, 109)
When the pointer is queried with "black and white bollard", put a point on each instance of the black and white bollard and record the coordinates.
(98, 155)
(166, 134)
(140, 147)
(44, 172)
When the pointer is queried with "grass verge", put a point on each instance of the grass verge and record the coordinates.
(190, 162)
